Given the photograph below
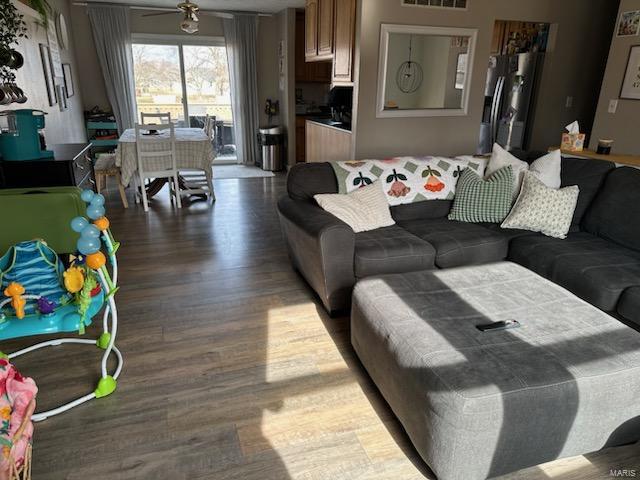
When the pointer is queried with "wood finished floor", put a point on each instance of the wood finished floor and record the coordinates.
(232, 369)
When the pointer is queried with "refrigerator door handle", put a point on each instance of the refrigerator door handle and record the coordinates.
(495, 108)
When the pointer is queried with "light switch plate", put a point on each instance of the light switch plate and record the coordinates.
(613, 106)
(569, 102)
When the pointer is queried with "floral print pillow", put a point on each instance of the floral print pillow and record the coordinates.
(407, 179)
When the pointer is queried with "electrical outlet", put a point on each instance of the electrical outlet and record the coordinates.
(613, 106)
(569, 102)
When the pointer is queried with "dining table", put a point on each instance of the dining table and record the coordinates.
(194, 151)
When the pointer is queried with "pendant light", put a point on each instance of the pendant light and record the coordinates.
(409, 76)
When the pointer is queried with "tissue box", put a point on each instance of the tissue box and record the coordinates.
(573, 142)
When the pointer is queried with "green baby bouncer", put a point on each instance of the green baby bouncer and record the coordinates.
(41, 296)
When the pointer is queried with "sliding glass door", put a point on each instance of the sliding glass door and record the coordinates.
(188, 80)
(158, 80)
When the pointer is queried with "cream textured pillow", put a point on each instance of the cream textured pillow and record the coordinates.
(546, 168)
(363, 209)
(543, 209)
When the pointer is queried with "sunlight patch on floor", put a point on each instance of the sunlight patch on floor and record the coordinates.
(321, 407)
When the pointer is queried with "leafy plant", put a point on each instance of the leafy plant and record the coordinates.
(44, 10)
(12, 28)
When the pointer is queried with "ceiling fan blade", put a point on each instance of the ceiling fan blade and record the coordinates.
(157, 14)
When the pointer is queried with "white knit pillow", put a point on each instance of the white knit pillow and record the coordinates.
(546, 168)
(363, 209)
(543, 209)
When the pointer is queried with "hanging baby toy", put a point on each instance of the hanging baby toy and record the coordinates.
(44, 298)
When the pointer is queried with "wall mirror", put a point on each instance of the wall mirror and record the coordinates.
(424, 71)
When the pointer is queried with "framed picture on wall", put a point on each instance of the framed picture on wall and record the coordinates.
(631, 83)
(629, 24)
(48, 74)
(68, 79)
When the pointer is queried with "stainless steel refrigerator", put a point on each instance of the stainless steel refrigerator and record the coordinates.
(512, 82)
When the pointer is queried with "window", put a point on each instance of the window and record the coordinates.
(190, 80)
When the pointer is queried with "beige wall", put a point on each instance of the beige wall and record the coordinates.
(286, 33)
(61, 127)
(621, 126)
(91, 80)
(574, 68)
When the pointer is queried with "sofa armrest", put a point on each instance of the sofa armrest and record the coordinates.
(322, 248)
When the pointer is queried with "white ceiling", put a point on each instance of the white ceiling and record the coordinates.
(266, 6)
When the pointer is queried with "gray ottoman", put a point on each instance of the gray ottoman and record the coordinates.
(477, 405)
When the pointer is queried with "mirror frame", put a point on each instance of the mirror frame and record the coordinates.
(385, 30)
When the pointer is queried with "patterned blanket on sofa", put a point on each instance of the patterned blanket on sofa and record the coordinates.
(408, 179)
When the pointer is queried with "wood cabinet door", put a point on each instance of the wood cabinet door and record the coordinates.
(345, 25)
(311, 29)
(325, 28)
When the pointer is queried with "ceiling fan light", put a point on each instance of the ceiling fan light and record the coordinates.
(189, 25)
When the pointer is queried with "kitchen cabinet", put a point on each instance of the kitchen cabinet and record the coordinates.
(344, 32)
(325, 28)
(311, 30)
(318, 72)
(318, 40)
(326, 143)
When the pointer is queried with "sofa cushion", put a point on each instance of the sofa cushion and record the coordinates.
(587, 174)
(594, 269)
(460, 243)
(629, 304)
(615, 212)
(305, 180)
(391, 250)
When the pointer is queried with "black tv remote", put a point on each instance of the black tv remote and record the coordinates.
(501, 325)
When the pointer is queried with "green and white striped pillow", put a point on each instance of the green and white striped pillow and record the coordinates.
(483, 200)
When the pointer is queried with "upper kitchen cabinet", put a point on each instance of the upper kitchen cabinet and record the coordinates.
(319, 17)
(311, 30)
(344, 38)
(316, 72)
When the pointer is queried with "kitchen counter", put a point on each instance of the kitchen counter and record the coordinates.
(329, 122)
(326, 142)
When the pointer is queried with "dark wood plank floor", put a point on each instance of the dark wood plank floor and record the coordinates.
(232, 369)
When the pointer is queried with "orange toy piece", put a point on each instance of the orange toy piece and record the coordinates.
(15, 291)
(96, 260)
(102, 223)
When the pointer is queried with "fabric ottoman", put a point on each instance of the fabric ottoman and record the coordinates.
(476, 404)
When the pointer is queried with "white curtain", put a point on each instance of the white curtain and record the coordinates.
(240, 34)
(112, 36)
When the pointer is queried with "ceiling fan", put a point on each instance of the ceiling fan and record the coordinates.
(189, 10)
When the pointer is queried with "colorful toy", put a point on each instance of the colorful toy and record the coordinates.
(43, 297)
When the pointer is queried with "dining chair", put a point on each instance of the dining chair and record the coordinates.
(104, 167)
(161, 117)
(157, 159)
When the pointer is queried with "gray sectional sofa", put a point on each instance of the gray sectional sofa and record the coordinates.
(599, 261)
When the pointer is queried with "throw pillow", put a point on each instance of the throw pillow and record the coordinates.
(543, 209)
(483, 200)
(363, 209)
(546, 168)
